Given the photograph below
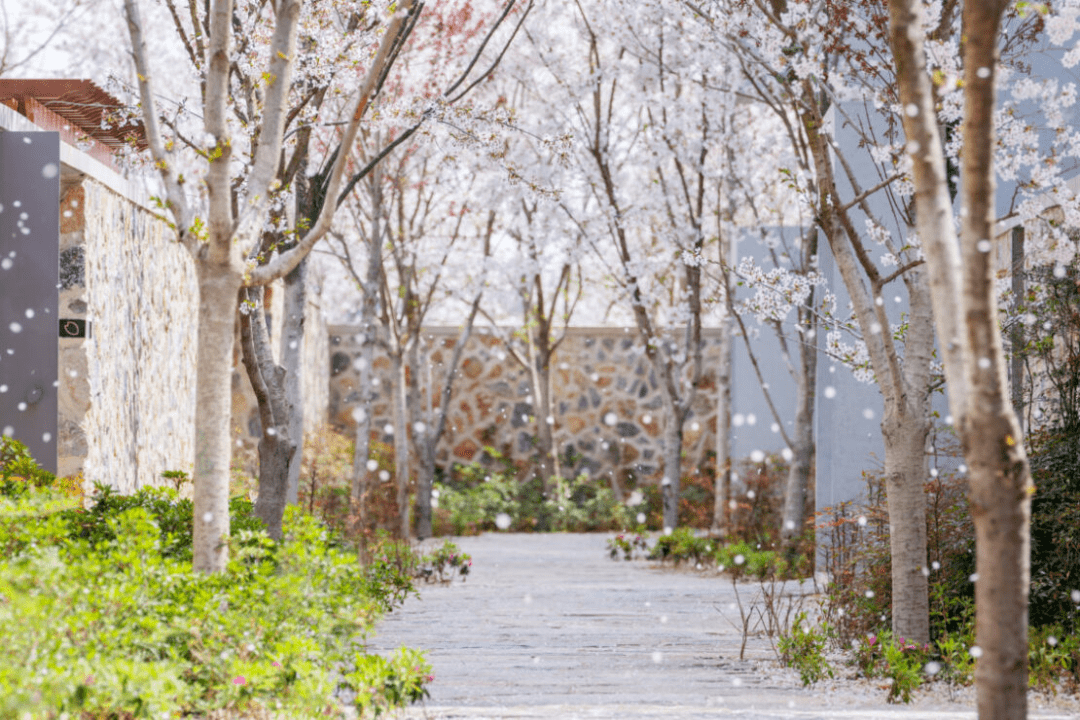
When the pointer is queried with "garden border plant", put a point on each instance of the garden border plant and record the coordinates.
(103, 617)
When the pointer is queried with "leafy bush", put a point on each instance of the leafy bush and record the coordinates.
(19, 472)
(628, 546)
(681, 545)
(444, 563)
(802, 647)
(478, 499)
(171, 513)
(102, 616)
(1053, 658)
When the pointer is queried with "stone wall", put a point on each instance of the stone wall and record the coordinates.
(127, 391)
(608, 410)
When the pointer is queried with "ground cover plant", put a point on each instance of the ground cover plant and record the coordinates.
(477, 499)
(854, 614)
(101, 615)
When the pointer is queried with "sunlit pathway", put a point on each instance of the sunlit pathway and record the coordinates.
(548, 627)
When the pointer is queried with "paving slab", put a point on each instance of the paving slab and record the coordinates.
(547, 626)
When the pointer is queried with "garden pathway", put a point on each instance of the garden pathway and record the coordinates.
(547, 627)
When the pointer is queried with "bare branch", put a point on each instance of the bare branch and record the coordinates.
(175, 199)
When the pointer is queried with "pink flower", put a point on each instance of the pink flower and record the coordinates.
(429, 678)
(276, 664)
(239, 680)
(871, 640)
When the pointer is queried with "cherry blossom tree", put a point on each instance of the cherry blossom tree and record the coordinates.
(963, 280)
(29, 34)
(240, 146)
(412, 230)
(817, 64)
(625, 80)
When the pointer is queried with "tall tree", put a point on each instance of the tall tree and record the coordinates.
(797, 62)
(241, 186)
(645, 195)
(965, 310)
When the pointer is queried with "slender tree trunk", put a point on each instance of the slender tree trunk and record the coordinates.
(539, 366)
(1016, 335)
(437, 426)
(368, 313)
(899, 383)
(670, 484)
(545, 420)
(425, 484)
(218, 287)
(421, 434)
(905, 436)
(962, 278)
(401, 442)
(990, 433)
(358, 489)
(802, 454)
(276, 446)
(728, 250)
(292, 350)
(722, 488)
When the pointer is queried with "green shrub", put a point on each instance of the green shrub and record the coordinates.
(1053, 655)
(802, 647)
(19, 472)
(628, 546)
(904, 664)
(477, 499)
(445, 562)
(681, 545)
(102, 617)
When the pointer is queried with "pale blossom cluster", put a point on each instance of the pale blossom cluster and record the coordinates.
(777, 291)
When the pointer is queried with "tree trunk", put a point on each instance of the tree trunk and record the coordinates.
(358, 489)
(218, 287)
(545, 421)
(1016, 335)
(962, 279)
(292, 349)
(425, 484)
(401, 442)
(722, 486)
(905, 436)
(539, 362)
(276, 447)
(1001, 507)
(990, 433)
(670, 491)
(368, 312)
(438, 424)
(899, 385)
(421, 433)
(802, 454)
(728, 250)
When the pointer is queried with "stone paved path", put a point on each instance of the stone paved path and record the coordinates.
(547, 627)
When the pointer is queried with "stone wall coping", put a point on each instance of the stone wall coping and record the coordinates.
(576, 330)
(80, 162)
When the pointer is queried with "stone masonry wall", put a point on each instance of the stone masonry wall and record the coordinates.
(127, 396)
(608, 415)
